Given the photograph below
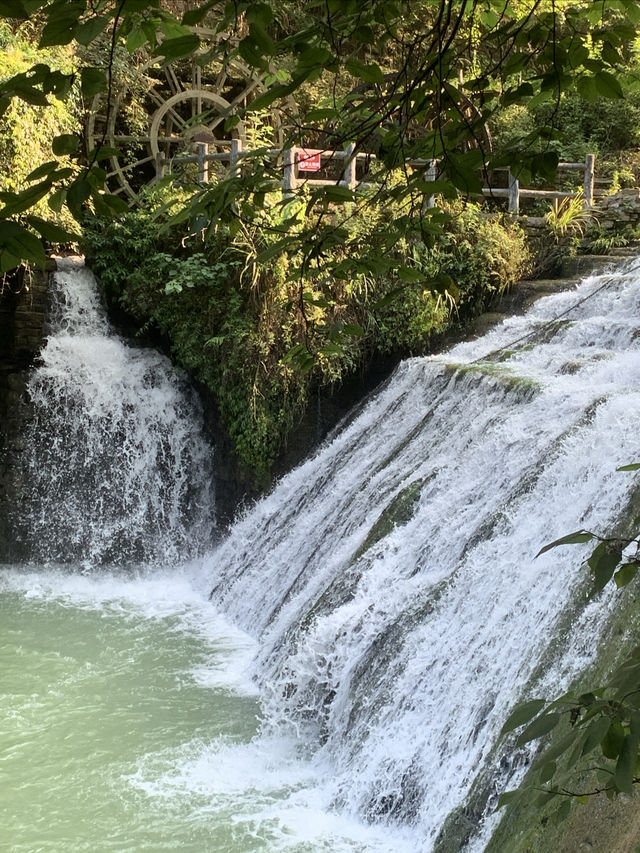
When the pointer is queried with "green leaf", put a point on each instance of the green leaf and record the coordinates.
(13, 9)
(410, 274)
(77, 193)
(18, 202)
(442, 284)
(603, 562)
(251, 52)
(547, 772)
(262, 39)
(626, 678)
(369, 73)
(626, 573)
(19, 243)
(41, 171)
(353, 329)
(337, 194)
(136, 39)
(489, 18)
(172, 29)
(315, 57)
(608, 86)
(104, 152)
(51, 232)
(195, 16)
(522, 713)
(634, 466)
(267, 98)
(177, 48)
(260, 14)
(540, 726)
(57, 199)
(321, 114)
(364, 34)
(30, 95)
(570, 539)
(612, 741)
(332, 349)
(92, 81)
(65, 143)
(562, 812)
(90, 29)
(632, 11)
(626, 763)
(57, 30)
(587, 89)
(507, 797)
(610, 54)
(596, 731)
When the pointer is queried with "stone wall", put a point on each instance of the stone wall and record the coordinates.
(613, 212)
(619, 210)
(23, 303)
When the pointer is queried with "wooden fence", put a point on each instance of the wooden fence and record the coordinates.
(293, 162)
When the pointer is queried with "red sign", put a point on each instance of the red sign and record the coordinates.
(309, 160)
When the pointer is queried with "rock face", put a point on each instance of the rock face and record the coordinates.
(23, 302)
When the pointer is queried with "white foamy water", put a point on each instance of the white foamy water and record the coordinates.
(116, 466)
(391, 580)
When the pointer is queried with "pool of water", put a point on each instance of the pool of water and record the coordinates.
(128, 723)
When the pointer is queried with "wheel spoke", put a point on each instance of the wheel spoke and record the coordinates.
(172, 80)
(248, 89)
(124, 138)
(160, 101)
(130, 166)
(221, 79)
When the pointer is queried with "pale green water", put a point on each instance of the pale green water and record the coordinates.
(126, 724)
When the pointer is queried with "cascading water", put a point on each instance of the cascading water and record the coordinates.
(385, 597)
(390, 581)
(116, 466)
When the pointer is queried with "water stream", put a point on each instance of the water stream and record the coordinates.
(371, 623)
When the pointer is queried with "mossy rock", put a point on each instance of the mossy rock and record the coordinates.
(399, 512)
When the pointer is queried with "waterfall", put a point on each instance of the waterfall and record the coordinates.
(391, 580)
(116, 468)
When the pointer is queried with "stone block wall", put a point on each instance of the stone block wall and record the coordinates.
(619, 210)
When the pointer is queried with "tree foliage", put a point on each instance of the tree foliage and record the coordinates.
(404, 81)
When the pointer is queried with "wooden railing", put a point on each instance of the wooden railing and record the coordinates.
(514, 192)
(293, 160)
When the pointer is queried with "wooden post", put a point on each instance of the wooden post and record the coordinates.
(161, 164)
(431, 176)
(203, 163)
(349, 176)
(589, 178)
(234, 158)
(514, 195)
(289, 179)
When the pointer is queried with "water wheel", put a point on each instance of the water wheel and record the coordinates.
(162, 110)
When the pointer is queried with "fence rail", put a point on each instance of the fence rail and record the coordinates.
(294, 159)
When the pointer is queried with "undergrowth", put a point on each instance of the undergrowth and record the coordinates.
(261, 336)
